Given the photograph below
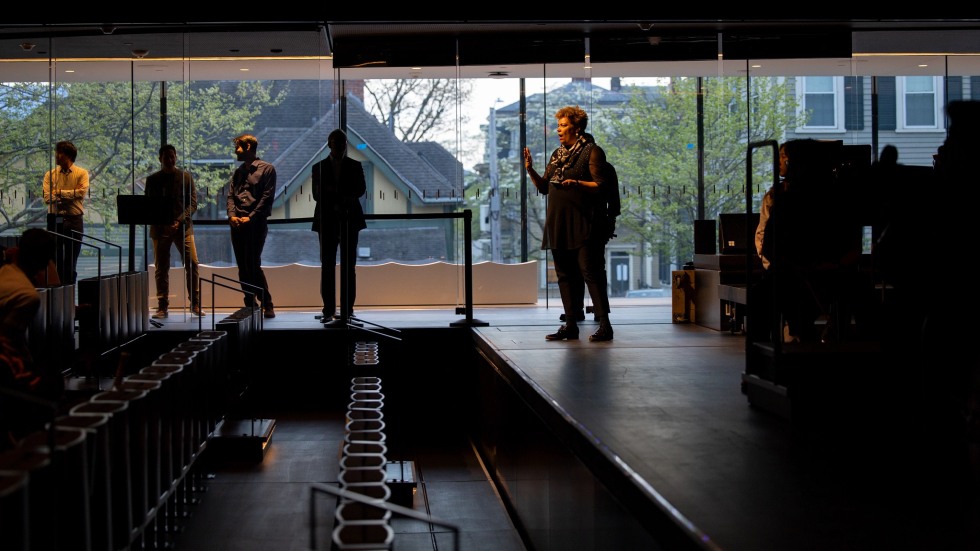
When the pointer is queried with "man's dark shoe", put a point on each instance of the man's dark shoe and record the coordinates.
(336, 323)
(580, 317)
(268, 311)
(564, 333)
(603, 333)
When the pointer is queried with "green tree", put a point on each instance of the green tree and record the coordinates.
(650, 134)
(117, 130)
(654, 147)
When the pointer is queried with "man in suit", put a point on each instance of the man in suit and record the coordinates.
(338, 185)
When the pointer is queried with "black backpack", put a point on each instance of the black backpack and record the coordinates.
(611, 206)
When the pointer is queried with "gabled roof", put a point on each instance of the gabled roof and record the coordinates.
(425, 171)
(401, 159)
(441, 160)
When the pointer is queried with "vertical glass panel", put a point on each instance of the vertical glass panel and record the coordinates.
(412, 138)
(456, 149)
(494, 166)
(94, 108)
(25, 130)
(910, 94)
(288, 104)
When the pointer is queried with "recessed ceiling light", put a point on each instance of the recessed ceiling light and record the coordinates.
(244, 69)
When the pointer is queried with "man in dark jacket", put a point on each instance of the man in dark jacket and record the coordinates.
(338, 185)
(176, 187)
(250, 194)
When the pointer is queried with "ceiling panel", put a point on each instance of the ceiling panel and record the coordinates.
(510, 49)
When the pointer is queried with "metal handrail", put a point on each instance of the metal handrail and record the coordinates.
(467, 217)
(261, 295)
(111, 244)
(80, 242)
(371, 502)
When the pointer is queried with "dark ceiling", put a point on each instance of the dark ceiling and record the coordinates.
(440, 45)
(400, 43)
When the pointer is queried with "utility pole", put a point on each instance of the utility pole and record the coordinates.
(495, 245)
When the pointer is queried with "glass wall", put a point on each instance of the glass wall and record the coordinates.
(437, 141)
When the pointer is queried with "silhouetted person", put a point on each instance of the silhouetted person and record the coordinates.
(250, 195)
(885, 193)
(19, 372)
(935, 342)
(338, 185)
(812, 243)
(606, 216)
(766, 321)
(685, 285)
(176, 187)
(767, 204)
(888, 156)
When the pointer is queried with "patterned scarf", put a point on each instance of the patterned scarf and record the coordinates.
(565, 157)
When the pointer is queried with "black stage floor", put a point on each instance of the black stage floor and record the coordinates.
(665, 401)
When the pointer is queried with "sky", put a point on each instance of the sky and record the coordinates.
(484, 96)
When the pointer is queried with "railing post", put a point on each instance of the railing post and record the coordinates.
(468, 273)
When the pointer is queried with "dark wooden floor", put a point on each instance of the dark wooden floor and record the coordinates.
(663, 398)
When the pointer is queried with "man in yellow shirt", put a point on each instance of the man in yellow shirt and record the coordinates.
(65, 188)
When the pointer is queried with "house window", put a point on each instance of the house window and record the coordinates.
(821, 101)
(919, 103)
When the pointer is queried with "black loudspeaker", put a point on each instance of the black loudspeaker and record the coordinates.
(704, 237)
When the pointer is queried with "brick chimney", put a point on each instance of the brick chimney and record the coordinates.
(355, 88)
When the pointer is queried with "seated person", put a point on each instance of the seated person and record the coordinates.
(30, 390)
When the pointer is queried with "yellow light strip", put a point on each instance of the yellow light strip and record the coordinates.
(908, 54)
(152, 59)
